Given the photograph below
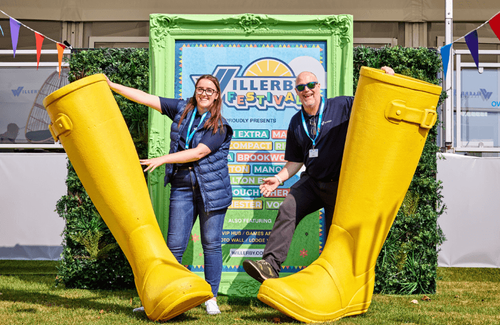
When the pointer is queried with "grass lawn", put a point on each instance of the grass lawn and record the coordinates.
(28, 296)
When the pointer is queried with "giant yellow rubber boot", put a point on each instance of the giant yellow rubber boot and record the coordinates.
(88, 122)
(389, 124)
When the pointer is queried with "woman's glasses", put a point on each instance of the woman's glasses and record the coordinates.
(309, 85)
(208, 91)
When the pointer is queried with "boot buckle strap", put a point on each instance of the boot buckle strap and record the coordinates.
(398, 111)
(61, 126)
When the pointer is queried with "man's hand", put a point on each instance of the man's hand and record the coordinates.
(388, 70)
(269, 185)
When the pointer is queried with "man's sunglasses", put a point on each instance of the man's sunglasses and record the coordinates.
(309, 85)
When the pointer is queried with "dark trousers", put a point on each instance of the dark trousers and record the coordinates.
(305, 197)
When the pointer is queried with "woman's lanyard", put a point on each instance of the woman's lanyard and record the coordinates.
(314, 152)
(190, 134)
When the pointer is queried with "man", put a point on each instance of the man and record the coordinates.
(316, 137)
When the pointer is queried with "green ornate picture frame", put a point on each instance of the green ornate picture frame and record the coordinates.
(258, 105)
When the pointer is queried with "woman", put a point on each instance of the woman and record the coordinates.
(197, 169)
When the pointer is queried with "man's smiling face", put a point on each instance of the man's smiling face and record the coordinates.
(310, 98)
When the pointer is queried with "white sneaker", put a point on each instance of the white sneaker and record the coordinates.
(212, 308)
(138, 310)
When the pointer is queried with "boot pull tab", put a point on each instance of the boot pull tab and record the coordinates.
(397, 111)
(61, 126)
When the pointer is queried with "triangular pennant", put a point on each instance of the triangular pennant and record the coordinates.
(445, 57)
(473, 44)
(495, 24)
(39, 42)
(14, 33)
(60, 50)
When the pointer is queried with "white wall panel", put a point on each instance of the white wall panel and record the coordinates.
(471, 223)
(30, 186)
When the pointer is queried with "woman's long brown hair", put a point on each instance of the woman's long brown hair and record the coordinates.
(215, 120)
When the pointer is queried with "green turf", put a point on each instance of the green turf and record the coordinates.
(464, 296)
(11, 267)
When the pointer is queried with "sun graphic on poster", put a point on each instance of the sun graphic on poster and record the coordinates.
(268, 67)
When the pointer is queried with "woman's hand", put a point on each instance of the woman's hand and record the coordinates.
(180, 157)
(152, 163)
(110, 84)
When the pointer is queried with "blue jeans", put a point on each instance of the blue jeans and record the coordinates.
(186, 205)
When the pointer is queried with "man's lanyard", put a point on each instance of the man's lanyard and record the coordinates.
(190, 134)
(322, 106)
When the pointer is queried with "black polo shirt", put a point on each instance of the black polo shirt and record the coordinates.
(330, 142)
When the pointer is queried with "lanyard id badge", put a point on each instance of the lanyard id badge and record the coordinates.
(190, 134)
(313, 153)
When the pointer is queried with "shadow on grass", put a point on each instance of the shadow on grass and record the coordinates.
(272, 317)
(254, 310)
(41, 290)
(182, 318)
(37, 290)
(243, 302)
(53, 300)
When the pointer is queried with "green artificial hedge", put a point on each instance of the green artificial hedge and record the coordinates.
(91, 257)
(408, 260)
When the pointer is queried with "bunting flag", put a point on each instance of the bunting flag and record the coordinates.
(14, 33)
(473, 44)
(472, 41)
(39, 37)
(60, 50)
(39, 42)
(445, 55)
(495, 25)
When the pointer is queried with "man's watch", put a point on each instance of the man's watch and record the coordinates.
(279, 179)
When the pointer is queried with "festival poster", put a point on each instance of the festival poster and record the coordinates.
(257, 81)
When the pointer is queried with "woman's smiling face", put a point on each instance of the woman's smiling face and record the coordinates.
(204, 100)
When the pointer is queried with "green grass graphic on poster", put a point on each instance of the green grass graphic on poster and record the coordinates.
(257, 78)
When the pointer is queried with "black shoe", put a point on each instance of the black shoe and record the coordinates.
(259, 270)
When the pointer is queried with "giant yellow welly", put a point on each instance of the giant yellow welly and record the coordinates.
(390, 120)
(88, 122)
